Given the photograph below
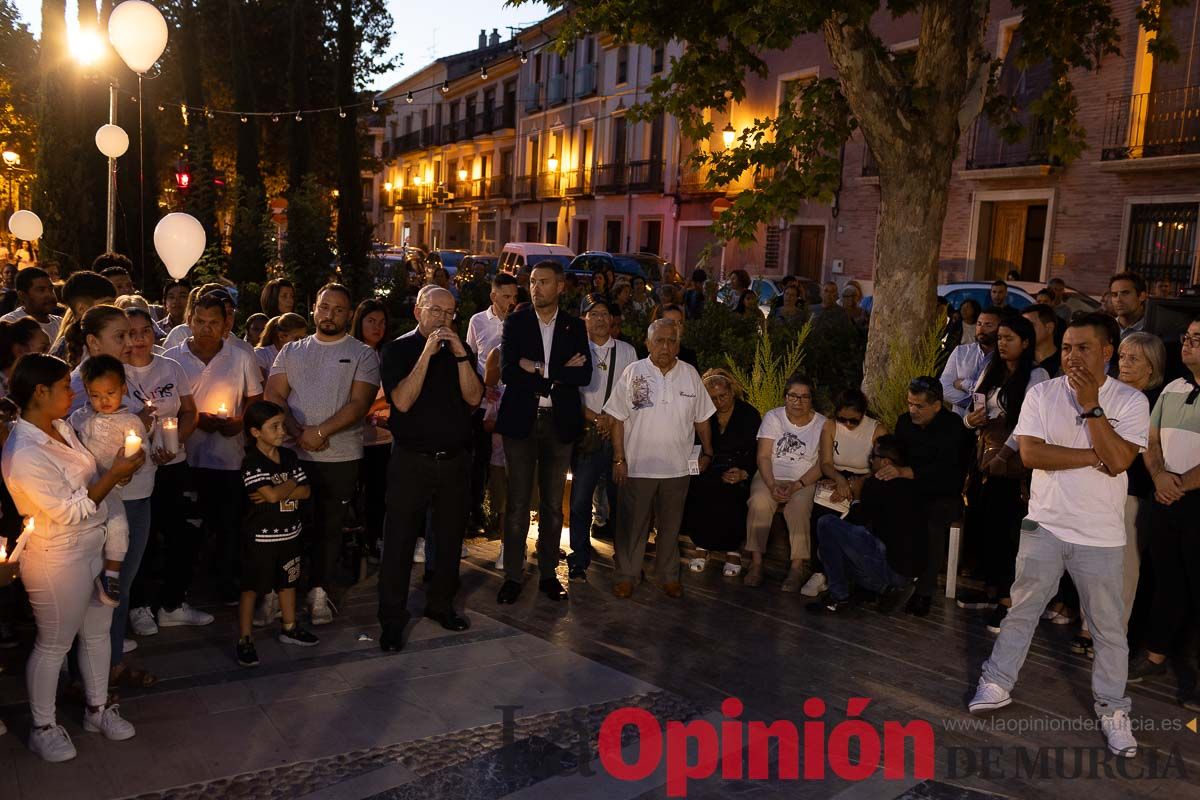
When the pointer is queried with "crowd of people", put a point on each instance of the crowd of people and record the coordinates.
(138, 428)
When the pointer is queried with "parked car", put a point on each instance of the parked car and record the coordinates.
(515, 255)
(647, 266)
(769, 290)
(1021, 294)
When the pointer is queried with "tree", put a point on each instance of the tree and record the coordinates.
(18, 92)
(911, 114)
(307, 256)
(247, 254)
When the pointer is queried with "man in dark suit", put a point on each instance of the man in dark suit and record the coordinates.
(544, 361)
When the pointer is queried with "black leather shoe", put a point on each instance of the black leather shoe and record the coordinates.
(392, 638)
(552, 589)
(449, 620)
(919, 606)
(577, 574)
(508, 593)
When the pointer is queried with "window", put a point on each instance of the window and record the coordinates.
(651, 236)
(620, 140)
(789, 88)
(660, 57)
(552, 231)
(622, 64)
(589, 50)
(612, 235)
(1162, 241)
(531, 231)
(581, 234)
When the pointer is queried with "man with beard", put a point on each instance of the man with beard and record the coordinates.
(36, 294)
(326, 384)
(968, 361)
(1128, 291)
(544, 361)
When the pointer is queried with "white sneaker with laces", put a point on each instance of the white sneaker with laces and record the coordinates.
(108, 721)
(500, 558)
(128, 646)
(51, 744)
(320, 609)
(419, 553)
(268, 610)
(988, 697)
(1119, 734)
(815, 584)
(184, 615)
(142, 621)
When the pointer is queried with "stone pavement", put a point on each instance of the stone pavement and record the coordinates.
(343, 721)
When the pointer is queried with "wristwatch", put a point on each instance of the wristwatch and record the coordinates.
(1092, 413)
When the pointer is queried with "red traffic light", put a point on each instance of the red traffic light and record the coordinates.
(183, 179)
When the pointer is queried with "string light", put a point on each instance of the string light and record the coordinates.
(374, 106)
(299, 117)
(445, 86)
(342, 113)
(523, 56)
(244, 118)
(483, 73)
(409, 97)
(161, 107)
(274, 118)
(208, 113)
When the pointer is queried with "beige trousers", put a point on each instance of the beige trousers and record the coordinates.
(797, 513)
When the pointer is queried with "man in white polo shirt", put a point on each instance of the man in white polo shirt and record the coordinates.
(1079, 433)
(224, 379)
(658, 408)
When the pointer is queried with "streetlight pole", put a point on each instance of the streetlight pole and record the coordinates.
(110, 219)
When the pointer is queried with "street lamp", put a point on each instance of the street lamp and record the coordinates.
(87, 47)
(552, 163)
(462, 174)
(387, 186)
(728, 134)
(11, 158)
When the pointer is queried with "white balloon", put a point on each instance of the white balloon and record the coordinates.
(25, 225)
(138, 33)
(179, 240)
(112, 140)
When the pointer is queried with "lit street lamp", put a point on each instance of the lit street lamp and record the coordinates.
(728, 134)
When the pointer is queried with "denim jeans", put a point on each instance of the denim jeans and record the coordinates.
(851, 551)
(588, 471)
(138, 514)
(1098, 575)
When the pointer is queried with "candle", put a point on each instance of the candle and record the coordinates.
(223, 411)
(133, 443)
(170, 434)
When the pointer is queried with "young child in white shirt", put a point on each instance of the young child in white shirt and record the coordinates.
(102, 426)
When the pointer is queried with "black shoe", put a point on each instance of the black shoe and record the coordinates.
(995, 617)
(298, 636)
(449, 620)
(508, 593)
(603, 532)
(1141, 667)
(552, 589)
(974, 600)
(247, 656)
(392, 637)
(894, 598)
(826, 604)
(919, 605)
(577, 574)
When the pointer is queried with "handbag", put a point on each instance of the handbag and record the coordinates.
(591, 439)
(990, 439)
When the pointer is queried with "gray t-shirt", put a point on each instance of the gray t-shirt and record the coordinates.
(320, 375)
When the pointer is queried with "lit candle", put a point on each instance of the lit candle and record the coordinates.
(223, 411)
(133, 443)
(170, 434)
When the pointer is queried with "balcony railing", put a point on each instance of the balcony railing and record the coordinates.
(526, 187)
(534, 101)
(548, 185)
(494, 187)
(506, 117)
(585, 81)
(409, 196)
(556, 90)
(486, 122)
(1152, 124)
(646, 176)
(987, 149)
(612, 178)
(575, 182)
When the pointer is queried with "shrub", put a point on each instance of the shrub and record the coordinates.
(906, 360)
(764, 384)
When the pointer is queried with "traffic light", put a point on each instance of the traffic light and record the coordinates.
(183, 175)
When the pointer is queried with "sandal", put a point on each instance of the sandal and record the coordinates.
(731, 570)
(132, 678)
(697, 564)
(1084, 646)
(754, 576)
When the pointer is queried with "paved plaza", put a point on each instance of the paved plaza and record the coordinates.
(344, 721)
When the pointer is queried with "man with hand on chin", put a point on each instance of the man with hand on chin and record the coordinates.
(1079, 433)
(430, 379)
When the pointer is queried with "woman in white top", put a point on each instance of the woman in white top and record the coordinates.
(370, 326)
(281, 330)
(789, 466)
(103, 330)
(54, 480)
(996, 510)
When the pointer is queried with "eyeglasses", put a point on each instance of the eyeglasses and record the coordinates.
(798, 398)
(849, 422)
(444, 313)
(1190, 341)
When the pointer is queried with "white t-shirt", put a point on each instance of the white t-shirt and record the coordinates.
(795, 449)
(265, 356)
(483, 335)
(177, 336)
(660, 413)
(50, 327)
(1083, 505)
(80, 396)
(229, 378)
(163, 382)
(104, 436)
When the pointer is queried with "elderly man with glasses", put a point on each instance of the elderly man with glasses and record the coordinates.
(429, 376)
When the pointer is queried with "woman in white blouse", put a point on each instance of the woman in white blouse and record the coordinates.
(54, 480)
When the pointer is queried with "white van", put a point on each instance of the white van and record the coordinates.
(517, 254)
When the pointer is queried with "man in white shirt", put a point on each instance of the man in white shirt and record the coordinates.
(968, 361)
(483, 336)
(326, 383)
(591, 463)
(1079, 433)
(224, 381)
(36, 293)
(658, 408)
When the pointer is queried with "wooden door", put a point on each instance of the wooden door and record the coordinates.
(806, 249)
(1005, 252)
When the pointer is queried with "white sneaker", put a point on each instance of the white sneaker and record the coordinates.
(142, 621)
(419, 553)
(128, 646)
(697, 564)
(815, 584)
(268, 610)
(320, 609)
(988, 697)
(1119, 735)
(184, 615)
(52, 744)
(108, 721)
(500, 558)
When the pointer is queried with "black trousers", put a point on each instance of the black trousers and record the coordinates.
(221, 495)
(416, 484)
(175, 522)
(373, 483)
(998, 527)
(1175, 555)
(481, 458)
(333, 486)
(541, 454)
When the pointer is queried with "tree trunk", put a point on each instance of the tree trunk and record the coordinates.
(299, 143)
(351, 234)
